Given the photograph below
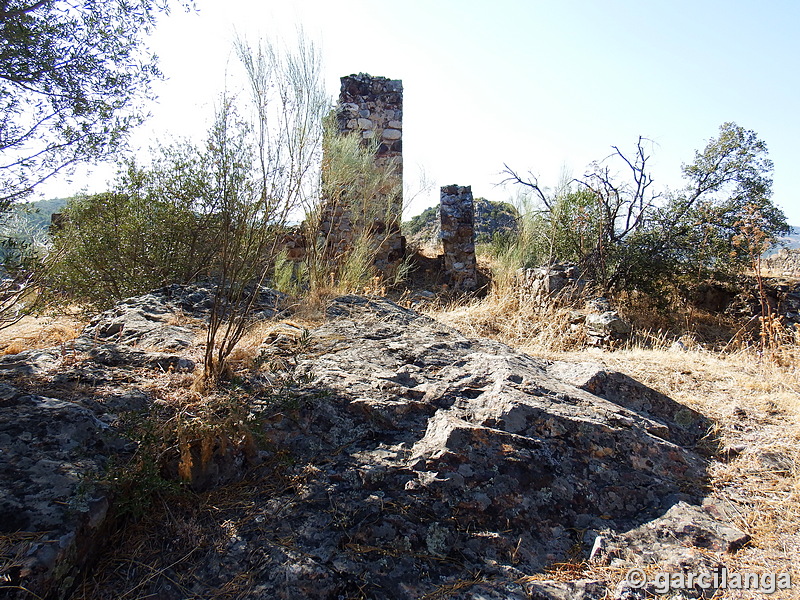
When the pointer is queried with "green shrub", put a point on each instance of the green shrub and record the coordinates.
(149, 231)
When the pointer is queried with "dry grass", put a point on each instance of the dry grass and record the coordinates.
(756, 406)
(166, 548)
(753, 399)
(33, 332)
(514, 320)
(266, 340)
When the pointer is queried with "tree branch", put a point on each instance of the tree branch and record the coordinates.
(532, 183)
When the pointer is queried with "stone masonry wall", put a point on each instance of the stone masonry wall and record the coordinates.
(458, 236)
(785, 263)
(372, 108)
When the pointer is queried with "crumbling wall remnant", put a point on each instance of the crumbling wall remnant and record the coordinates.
(372, 108)
(784, 263)
(458, 236)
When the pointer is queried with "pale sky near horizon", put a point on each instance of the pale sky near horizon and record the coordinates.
(542, 86)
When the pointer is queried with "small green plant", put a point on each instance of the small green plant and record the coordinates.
(138, 481)
(289, 276)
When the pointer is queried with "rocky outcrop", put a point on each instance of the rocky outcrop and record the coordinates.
(683, 426)
(491, 218)
(52, 518)
(458, 456)
(149, 321)
(60, 429)
(420, 461)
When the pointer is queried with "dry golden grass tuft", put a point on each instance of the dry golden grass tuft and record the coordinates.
(35, 332)
(515, 320)
(268, 338)
(753, 398)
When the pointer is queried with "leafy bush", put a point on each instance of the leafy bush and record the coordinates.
(628, 236)
(149, 231)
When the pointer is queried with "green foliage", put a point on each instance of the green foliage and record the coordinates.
(156, 227)
(625, 236)
(288, 276)
(692, 236)
(23, 232)
(527, 247)
(562, 229)
(420, 221)
(574, 223)
(31, 220)
(218, 211)
(72, 78)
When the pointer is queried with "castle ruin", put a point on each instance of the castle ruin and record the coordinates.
(372, 108)
(457, 212)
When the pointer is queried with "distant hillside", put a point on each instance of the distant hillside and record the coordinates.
(793, 239)
(790, 242)
(490, 218)
(33, 218)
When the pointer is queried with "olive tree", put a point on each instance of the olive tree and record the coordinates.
(152, 228)
(73, 76)
(73, 79)
(693, 235)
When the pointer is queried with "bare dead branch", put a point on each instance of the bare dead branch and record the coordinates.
(532, 183)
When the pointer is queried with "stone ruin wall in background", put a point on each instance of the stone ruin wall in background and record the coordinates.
(785, 263)
(372, 108)
(458, 236)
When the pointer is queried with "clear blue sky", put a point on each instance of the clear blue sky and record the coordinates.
(538, 85)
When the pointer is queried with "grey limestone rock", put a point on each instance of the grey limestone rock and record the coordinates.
(676, 422)
(419, 458)
(48, 450)
(148, 321)
(457, 456)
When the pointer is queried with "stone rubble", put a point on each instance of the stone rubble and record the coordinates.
(544, 282)
(784, 263)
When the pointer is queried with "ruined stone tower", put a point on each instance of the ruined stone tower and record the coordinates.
(372, 108)
(457, 212)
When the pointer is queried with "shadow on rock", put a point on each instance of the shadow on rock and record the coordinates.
(414, 460)
(428, 457)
